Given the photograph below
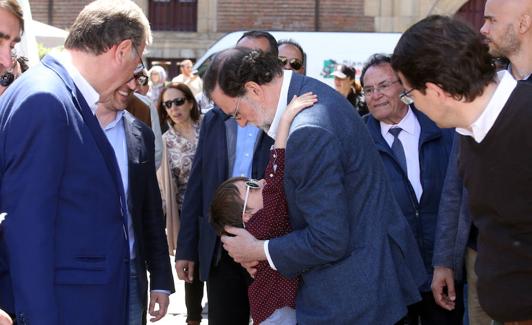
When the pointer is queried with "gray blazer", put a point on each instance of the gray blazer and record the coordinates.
(352, 246)
(454, 221)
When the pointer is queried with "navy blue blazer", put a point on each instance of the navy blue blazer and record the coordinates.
(454, 219)
(352, 246)
(144, 202)
(197, 240)
(434, 147)
(64, 237)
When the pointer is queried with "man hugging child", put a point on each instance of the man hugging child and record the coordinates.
(260, 207)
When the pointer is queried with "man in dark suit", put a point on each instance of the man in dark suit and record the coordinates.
(133, 144)
(65, 238)
(214, 162)
(415, 154)
(351, 245)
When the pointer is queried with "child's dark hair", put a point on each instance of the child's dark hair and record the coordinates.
(226, 206)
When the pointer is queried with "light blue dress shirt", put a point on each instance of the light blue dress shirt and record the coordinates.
(245, 146)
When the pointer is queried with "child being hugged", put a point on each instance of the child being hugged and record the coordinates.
(260, 206)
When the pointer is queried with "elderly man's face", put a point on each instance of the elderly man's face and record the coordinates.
(501, 23)
(9, 36)
(382, 89)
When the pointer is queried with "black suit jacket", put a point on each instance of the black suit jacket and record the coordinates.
(144, 203)
(197, 240)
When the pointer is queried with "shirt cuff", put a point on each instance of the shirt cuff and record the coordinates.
(268, 257)
(162, 291)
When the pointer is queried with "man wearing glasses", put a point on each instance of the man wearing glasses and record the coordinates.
(448, 66)
(291, 56)
(415, 153)
(66, 229)
(348, 231)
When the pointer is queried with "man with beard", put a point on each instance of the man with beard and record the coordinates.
(508, 31)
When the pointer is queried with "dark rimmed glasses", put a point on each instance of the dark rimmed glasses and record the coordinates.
(139, 75)
(179, 101)
(250, 184)
(294, 63)
(406, 98)
(235, 114)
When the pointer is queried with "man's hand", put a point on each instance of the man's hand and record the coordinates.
(443, 278)
(185, 270)
(251, 267)
(4, 318)
(243, 247)
(161, 299)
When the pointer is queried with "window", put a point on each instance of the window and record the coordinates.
(173, 15)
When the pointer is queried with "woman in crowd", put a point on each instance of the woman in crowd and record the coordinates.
(345, 84)
(158, 77)
(180, 116)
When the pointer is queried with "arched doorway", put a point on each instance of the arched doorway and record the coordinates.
(472, 12)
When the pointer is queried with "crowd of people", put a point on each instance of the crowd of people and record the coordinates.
(387, 199)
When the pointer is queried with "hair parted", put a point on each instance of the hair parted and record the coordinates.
(262, 34)
(103, 24)
(163, 115)
(232, 68)
(446, 52)
(227, 205)
(374, 60)
(15, 9)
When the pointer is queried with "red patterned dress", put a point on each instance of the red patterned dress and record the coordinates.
(270, 290)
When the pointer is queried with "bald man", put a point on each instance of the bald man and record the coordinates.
(508, 31)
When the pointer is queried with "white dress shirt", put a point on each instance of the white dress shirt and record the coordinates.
(481, 127)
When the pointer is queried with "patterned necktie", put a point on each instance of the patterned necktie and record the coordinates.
(397, 148)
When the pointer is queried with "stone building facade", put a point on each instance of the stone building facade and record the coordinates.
(207, 20)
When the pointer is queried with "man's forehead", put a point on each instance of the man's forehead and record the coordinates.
(256, 43)
(290, 49)
(10, 28)
(379, 73)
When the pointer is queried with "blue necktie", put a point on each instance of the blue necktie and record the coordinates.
(397, 148)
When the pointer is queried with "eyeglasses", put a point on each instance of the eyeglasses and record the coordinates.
(294, 63)
(250, 184)
(8, 77)
(176, 101)
(406, 98)
(139, 75)
(380, 88)
(235, 114)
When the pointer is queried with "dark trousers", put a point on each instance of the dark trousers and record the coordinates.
(193, 297)
(427, 312)
(227, 293)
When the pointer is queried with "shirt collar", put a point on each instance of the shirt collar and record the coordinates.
(114, 123)
(281, 105)
(481, 127)
(87, 91)
(407, 123)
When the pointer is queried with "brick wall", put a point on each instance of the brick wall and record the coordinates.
(63, 14)
(297, 15)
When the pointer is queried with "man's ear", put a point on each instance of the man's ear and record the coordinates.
(123, 51)
(254, 90)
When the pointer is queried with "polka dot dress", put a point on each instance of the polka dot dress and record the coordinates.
(270, 290)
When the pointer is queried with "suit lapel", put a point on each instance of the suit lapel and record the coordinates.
(93, 125)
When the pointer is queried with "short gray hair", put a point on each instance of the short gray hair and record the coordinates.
(103, 24)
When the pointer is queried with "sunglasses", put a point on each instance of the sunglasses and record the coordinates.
(176, 101)
(294, 63)
(6, 79)
(250, 184)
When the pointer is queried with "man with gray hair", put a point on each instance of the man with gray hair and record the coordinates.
(66, 234)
